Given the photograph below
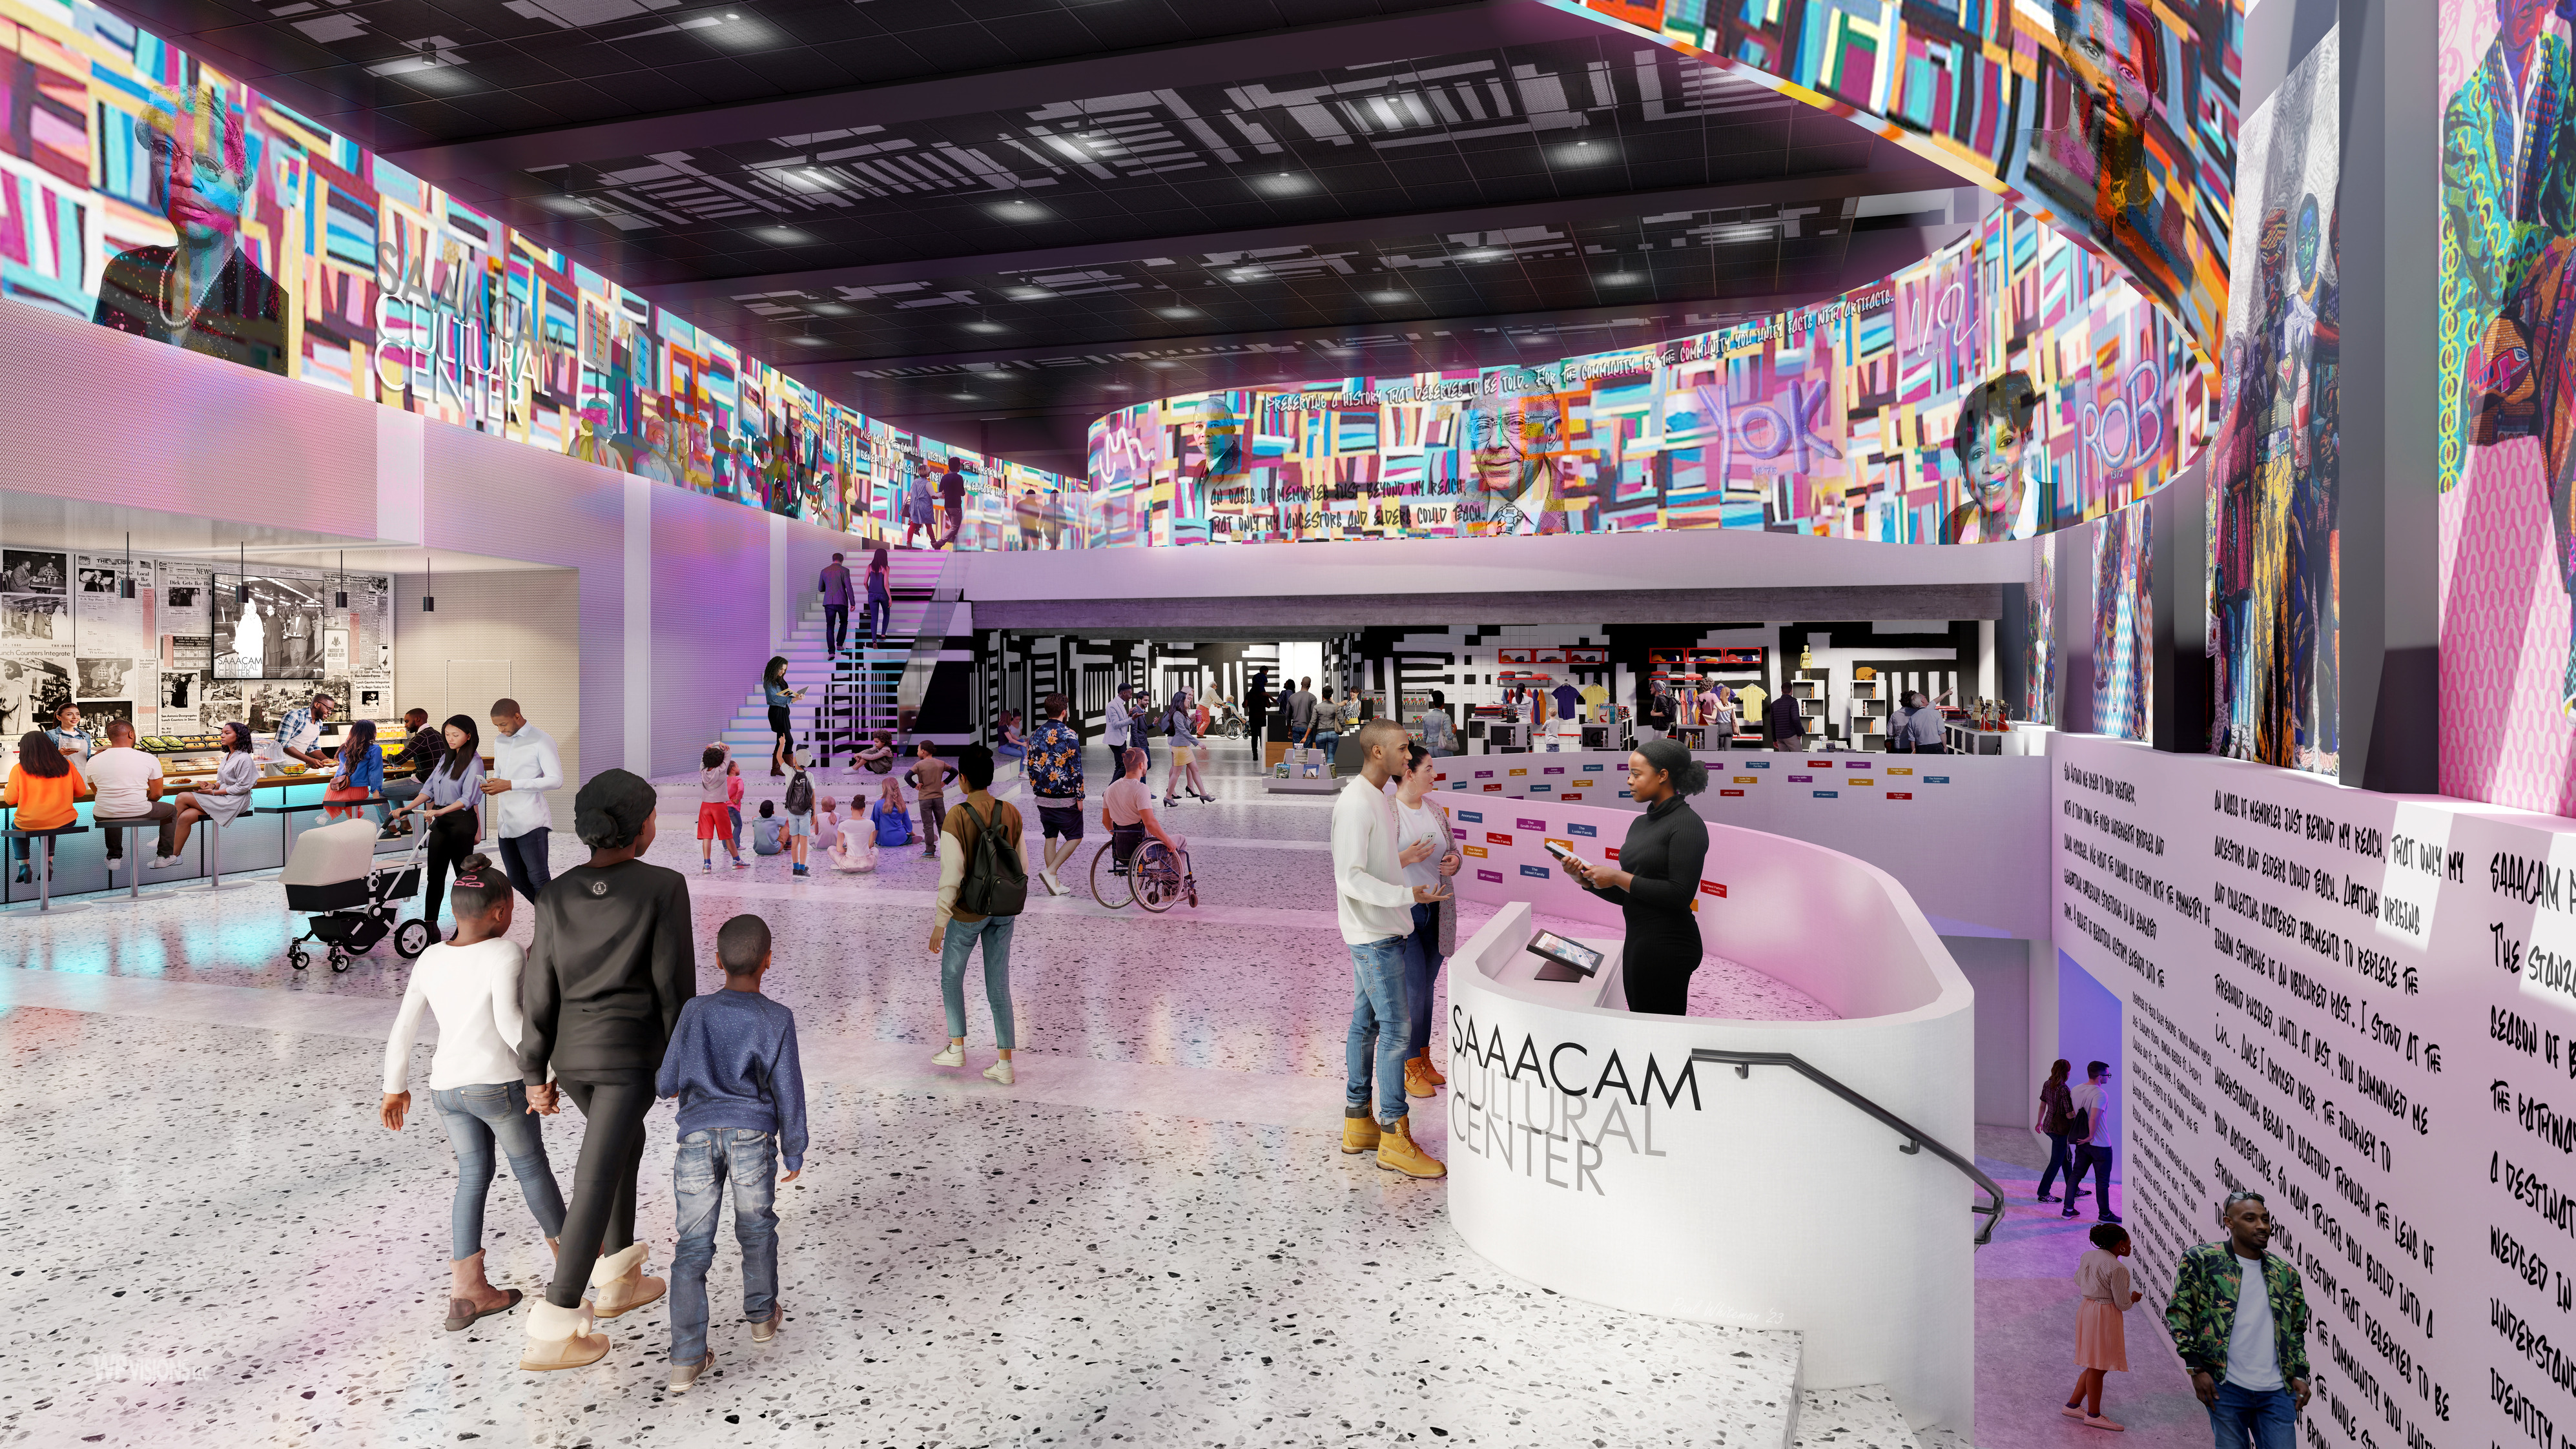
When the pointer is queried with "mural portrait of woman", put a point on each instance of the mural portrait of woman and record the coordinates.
(1992, 443)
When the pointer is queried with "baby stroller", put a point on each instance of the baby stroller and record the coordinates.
(348, 897)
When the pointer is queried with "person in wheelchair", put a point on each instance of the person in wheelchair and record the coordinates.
(1127, 808)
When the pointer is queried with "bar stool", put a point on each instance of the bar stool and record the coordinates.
(210, 854)
(44, 903)
(124, 827)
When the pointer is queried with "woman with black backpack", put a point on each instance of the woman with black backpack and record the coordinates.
(983, 883)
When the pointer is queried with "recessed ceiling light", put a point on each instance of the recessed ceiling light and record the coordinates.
(802, 340)
(1160, 362)
(785, 236)
(1177, 313)
(1620, 279)
(1481, 254)
(1019, 211)
(829, 309)
(1389, 299)
(965, 397)
(984, 327)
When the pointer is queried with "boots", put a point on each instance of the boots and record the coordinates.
(1418, 1081)
(618, 1284)
(1359, 1130)
(560, 1338)
(1396, 1152)
(1431, 1073)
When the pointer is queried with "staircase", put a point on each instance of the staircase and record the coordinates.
(859, 697)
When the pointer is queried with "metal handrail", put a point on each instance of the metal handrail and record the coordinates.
(1915, 1139)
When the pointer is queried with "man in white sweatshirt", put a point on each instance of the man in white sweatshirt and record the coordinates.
(524, 767)
(1376, 909)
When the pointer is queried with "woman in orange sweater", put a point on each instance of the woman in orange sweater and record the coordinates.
(42, 787)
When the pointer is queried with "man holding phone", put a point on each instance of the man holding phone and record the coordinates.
(1376, 909)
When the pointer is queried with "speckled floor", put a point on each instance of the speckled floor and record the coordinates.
(1151, 1240)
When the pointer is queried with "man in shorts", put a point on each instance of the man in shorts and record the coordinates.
(1054, 772)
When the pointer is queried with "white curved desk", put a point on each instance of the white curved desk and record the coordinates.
(1587, 1154)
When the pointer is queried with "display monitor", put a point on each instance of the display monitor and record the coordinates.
(1567, 960)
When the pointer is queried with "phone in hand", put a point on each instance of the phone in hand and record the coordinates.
(1578, 863)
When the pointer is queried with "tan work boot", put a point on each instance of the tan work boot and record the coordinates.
(560, 1338)
(1359, 1130)
(1417, 1077)
(1431, 1073)
(618, 1284)
(1396, 1152)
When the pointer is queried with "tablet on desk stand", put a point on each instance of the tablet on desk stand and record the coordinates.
(1566, 961)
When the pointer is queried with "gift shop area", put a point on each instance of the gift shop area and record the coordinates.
(1871, 487)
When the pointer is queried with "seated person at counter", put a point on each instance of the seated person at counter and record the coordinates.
(1657, 878)
(421, 753)
(128, 783)
(299, 733)
(223, 801)
(41, 788)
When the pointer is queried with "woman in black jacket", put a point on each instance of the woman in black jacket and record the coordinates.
(1256, 709)
(1657, 878)
(611, 965)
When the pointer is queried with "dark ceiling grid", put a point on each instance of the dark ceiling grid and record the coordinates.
(1002, 217)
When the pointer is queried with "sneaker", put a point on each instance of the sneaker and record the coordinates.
(164, 862)
(998, 1072)
(685, 1374)
(706, 867)
(951, 1055)
(2046, 1197)
(767, 1329)
(741, 864)
(2111, 1218)
(1054, 887)
(800, 870)
(2070, 1212)
(25, 876)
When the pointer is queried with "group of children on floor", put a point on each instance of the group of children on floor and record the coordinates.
(795, 825)
(731, 1064)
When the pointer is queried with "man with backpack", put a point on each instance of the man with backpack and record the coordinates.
(983, 884)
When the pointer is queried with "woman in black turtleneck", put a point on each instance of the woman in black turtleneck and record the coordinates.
(1657, 878)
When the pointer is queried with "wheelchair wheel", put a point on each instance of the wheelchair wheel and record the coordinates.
(411, 938)
(1110, 885)
(1156, 876)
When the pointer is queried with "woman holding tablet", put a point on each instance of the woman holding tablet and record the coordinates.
(1657, 877)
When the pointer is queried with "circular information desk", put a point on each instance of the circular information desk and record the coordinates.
(1591, 1153)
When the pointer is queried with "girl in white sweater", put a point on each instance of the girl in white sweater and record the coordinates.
(471, 985)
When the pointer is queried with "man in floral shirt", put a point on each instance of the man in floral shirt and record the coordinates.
(1054, 772)
(2247, 1353)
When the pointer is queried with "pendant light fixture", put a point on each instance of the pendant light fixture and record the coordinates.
(241, 573)
(340, 596)
(126, 588)
(428, 600)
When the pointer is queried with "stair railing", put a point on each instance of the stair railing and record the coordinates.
(1915, 1139)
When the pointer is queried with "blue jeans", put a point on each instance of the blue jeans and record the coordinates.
(1421, 970)
(836, 626)
(2247, 1419)
(477, 1117)
(1328, 742)
(955, 947)
(876, 613)
(1378, 1027)
(708, 1157)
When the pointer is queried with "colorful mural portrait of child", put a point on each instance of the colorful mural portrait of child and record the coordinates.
(1992, 444)
(203, 292)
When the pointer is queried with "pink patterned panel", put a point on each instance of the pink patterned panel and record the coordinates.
(2504, 639)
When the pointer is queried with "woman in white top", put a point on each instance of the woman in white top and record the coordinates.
(1721, 718)
(223, 801)
(471, 984)
(1423, 848)
(2101, 1339)
(1180, 724)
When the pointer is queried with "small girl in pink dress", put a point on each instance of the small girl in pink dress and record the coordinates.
(2101, 1341)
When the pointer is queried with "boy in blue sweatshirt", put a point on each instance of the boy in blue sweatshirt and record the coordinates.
(732, 1063)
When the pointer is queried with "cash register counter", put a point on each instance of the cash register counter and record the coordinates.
(1590, 1154)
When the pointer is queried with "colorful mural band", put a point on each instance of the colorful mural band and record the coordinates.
(144, 191)
(2507, 407)
(2009, 385)
(2274, 626)
(2115, 119)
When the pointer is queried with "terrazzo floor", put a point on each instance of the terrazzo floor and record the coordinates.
(1151, 1239)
